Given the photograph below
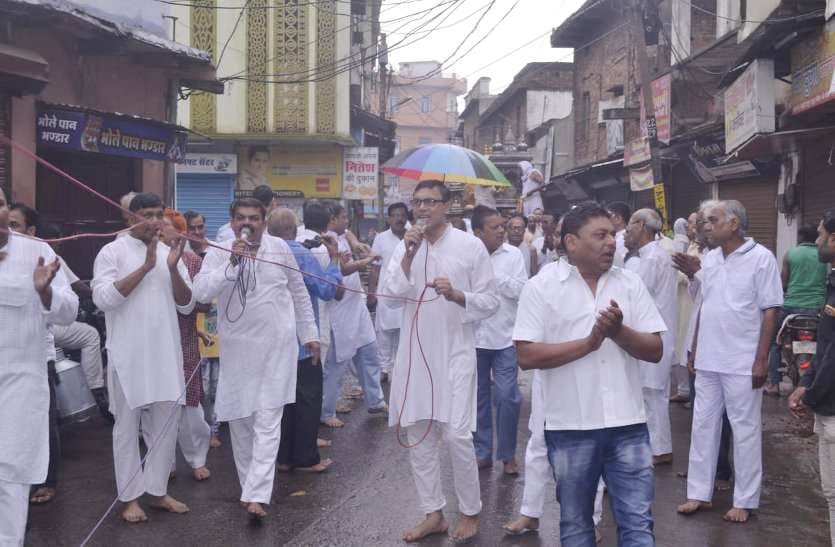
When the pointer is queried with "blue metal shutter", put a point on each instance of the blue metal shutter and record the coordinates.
(209, 195)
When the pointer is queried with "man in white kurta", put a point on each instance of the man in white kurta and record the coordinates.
(654, 266)
(258, 348)
(741, 294)
(141, 284)
(387, 318)
(353, 340)
(33, 293)
(433, 392)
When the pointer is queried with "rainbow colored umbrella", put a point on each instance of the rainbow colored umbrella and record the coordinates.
(447, 163)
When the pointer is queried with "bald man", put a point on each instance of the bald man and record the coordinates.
(300, 422)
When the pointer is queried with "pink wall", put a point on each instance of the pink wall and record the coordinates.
(111, 84)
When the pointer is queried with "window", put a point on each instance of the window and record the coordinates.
(452, 104)
(426, 104)
(424, 140)
(586, 121)
(393, 103)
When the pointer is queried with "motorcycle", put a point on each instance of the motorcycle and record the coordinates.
(797, 338)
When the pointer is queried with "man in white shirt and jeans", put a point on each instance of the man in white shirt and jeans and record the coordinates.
(494, 347)
(741, 297)
(585, 326)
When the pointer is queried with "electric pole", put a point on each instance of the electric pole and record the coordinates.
(638, 40)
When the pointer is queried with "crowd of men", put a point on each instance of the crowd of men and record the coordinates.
(263, 327)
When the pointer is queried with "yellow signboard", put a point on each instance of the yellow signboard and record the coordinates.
(661, 203)
(315, 172)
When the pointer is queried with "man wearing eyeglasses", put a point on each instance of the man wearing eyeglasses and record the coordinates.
(443, 280)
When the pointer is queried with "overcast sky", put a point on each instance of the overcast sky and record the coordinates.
(529, 19)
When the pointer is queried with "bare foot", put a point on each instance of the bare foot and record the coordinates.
(167, 503)
(344, 408)
(721, 486)
(692, 506)
(662, 459)
(201, 473)
(284, 468)
(522, 525)
(215, 442)
(510, 468)
(678, 398)
(133, 513)
(382, 410)
(320, 467)
(466, 528)
(42, 495)
(737, 514)
(435, 523)
(323, 443)
(333, 422)
(256, 510)
(355, 393)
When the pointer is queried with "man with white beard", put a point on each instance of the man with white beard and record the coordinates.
(261, 309)
(655, 268)
(33, 293)
(433, 391)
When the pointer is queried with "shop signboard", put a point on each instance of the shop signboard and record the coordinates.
(662, 102)
(209, 164)
(113, 134)
(661, 203)
(636, 151)
(641, 178)
(813, 70)
(749, 104)
(360, 167)
(313, 172)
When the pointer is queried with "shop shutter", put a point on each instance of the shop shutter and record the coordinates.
(687, 193)
(210, 195)
(5, 154)
(817, 185)
(759, 197)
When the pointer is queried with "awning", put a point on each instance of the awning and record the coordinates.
(760, 147)
(22, 71)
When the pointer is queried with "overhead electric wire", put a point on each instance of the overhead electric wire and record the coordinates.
(741, 21)
(351, 65)
(232, 34)
(314, 42)
(317, 3)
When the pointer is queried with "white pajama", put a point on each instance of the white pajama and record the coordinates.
(255, 441)
(825, 430)
(657, 404)
(158, 422)
(537, 473)
(426, 466)
(193, 437)
(14, 507)
(81, 336)
(717, 392)
(387, 342)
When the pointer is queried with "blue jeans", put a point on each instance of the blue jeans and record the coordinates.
(508, 400)
(368, 373)
(623, 457)
(774, 356)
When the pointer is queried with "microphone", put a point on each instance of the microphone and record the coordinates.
(246, 232)
(420, 223)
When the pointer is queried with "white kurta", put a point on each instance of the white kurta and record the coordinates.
(445, 329)
(143, 336)
(655, 268)
(24, 391)
(259, 351)
(350, 320)
(388, 316)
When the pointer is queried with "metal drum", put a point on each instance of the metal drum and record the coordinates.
(74, 400)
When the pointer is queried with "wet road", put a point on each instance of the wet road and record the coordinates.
(367, 498)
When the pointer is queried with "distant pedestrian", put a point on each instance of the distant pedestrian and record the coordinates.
(804, 283)
(620, 213)
(516, 227)
(532, 184)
